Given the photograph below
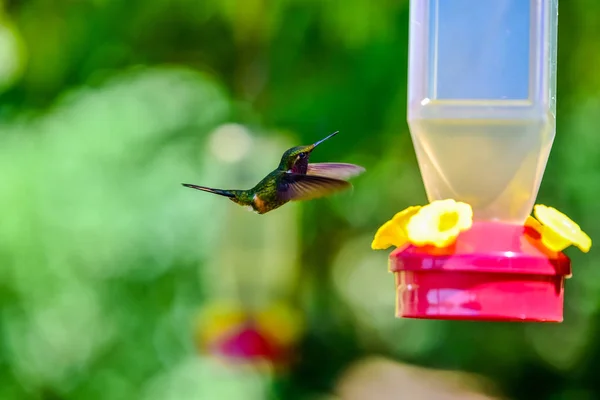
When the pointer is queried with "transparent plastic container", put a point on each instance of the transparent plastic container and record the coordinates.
(481, 103)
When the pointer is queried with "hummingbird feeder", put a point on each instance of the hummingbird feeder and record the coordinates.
(481, 111)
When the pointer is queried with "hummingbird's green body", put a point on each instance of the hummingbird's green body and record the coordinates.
(262, 198)
(293, 179)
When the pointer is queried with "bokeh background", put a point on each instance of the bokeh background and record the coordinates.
(117, 283)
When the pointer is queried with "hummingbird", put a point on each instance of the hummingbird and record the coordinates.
(294, 179)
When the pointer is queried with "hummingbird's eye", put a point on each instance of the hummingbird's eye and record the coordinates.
(302, 155)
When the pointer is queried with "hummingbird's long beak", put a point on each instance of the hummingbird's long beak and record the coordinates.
(324, 139)
(220, 192)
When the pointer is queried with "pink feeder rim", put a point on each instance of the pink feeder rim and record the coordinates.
(494, 272)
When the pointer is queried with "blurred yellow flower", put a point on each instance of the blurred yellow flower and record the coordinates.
(238, 333)
(216, 320)
(557, 230)
(393, 232)
(439, 223)
(281, 323)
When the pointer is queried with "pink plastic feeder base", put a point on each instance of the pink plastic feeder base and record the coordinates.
(494, 272)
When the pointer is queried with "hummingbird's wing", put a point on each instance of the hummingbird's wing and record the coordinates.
(335, 170)
(307, 187)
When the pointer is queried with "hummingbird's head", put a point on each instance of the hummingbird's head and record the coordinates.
(296, 158)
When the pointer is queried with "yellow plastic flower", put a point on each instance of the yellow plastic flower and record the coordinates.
(393, 232)
(534, 224)
(558, 231)
(439, 223)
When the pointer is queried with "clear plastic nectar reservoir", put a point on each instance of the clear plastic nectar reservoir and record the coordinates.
(481, 106)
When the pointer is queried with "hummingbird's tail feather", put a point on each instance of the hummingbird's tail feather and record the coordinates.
(220, 192)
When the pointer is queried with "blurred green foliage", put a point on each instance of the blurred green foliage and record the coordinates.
(107, 105)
